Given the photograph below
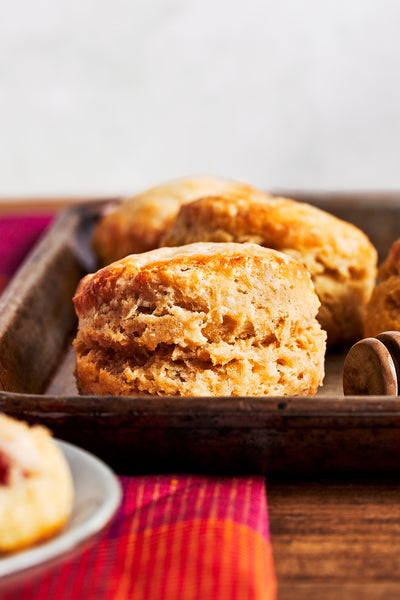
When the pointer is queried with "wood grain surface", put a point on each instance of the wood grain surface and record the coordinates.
(336, 538)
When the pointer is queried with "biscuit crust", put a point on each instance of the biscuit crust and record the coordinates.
(36, 489)
(339, 257)
(139, 222)
(199, 320)
(382, 313)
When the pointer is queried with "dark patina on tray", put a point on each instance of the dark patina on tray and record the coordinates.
(273, 436)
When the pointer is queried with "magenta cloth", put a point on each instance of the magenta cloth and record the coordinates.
(18, 233)
(176, 537)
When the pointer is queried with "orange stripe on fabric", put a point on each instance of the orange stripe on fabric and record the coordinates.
(147, 551)
(253, 579)
(224, 579)
(246, 561)
(161, 554)
(172, 585)
(203, 546)
(242, 533)
(121, 593)
(131, 585)
(165, 557)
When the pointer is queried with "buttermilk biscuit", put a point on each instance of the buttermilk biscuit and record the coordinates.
(204, 319)
(36, 489)
(138, 223)
(382, 312)
(339, 257)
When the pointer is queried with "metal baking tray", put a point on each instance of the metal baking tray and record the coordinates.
(281, 436)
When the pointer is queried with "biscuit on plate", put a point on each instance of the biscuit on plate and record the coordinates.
(382, 312)
(200, 320)
(339, 257)
(36, 488)
(137, 223)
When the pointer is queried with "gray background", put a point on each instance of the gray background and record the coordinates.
(102, 96)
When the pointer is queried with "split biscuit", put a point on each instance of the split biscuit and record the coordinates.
(339, 257)
(204, 319)
(36, 488)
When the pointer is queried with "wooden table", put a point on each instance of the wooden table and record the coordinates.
(336, 539)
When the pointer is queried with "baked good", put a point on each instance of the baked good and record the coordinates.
(36, 489)
(339, 257)
(382, 312)
(199, 320)
(137, 223)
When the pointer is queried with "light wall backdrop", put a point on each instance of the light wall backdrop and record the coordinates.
(110, 96)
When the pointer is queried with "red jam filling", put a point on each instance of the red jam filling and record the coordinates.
(5, 469)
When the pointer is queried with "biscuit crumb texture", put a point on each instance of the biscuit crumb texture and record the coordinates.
(36, 488)
(338, 255)
(200, 320)
(382, 312)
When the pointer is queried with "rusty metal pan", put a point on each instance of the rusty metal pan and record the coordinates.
(275, 436)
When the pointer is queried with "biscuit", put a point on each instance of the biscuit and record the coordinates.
(200, 320)
(382, 313)
(339, 257)
(137, 224)
(36, 489)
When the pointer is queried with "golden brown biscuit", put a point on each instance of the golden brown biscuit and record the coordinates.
(382, 312)
(203, 319)
(36, 489)
(339, 257)
(138, 223)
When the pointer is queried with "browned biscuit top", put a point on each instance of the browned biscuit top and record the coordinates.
(338, 255)
(201, 257)
(137, 224)
(279, 223)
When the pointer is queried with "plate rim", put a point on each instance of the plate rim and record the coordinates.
(66, 543)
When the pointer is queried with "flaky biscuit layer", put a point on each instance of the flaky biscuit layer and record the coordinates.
(202, 319)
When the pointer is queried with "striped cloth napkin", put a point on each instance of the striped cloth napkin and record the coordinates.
(180, 537)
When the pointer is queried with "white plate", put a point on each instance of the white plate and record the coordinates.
(97, 497)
